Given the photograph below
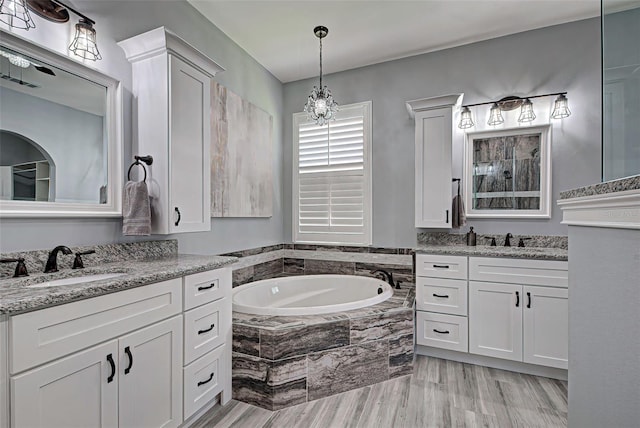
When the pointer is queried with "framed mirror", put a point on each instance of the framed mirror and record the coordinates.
(508, 173)
(60, 135)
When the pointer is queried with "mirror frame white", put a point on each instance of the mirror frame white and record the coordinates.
(545, 174)
(114, 136)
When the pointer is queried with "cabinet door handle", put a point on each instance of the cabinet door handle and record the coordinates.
(446, 296)
(206, 330)
(441, 332)
(113, 368)
(441, 266)
(517, 299)
(179, 216)
(206, 381)
(130, 355)
(528, 299)
(207, 287)
(447, 213)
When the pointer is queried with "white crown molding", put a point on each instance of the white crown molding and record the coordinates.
(422, 104)
(619, 210)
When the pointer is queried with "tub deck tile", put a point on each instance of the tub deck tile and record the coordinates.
(355, 366)
(282, 343)
(293, 266)
(267, 270)
(382, 326)
(400, 272)
(312, 267)
(246, 340)
(401, 355)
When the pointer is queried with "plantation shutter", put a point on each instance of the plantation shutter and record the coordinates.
(333, 192)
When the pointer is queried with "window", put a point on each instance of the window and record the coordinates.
(332, 178)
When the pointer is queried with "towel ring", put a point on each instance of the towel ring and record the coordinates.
(146, 159)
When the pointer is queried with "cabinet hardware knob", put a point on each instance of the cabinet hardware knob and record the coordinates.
(528, 300)
(130, 355)
(441, 332)
(445, 296)
(179, 216)
(206, 381)
(207, 287)
(441, 266)
(113, 368)
(206, 330)
(517, 299)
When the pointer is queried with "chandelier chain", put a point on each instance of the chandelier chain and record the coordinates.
(320, 64)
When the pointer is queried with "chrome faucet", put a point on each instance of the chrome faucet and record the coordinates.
(507, 240)
(52, 261)
(389, 277)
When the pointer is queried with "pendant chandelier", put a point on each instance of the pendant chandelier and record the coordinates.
(320, 105)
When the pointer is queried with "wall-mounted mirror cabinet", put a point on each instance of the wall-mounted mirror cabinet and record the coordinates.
(60, 135)
(508, 173)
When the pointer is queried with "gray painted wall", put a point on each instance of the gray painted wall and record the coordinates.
(604, 321)
(118, 20)
(559, 58)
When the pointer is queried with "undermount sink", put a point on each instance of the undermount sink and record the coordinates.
(77, 280)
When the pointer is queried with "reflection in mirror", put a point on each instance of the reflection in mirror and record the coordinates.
(507, 173)
(53, 145)
(60, 135)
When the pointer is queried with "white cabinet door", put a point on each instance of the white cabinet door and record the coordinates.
(151, 376)
(190, 129)
(433, 168)
(78, 391)
(546, 326)
(495, 320)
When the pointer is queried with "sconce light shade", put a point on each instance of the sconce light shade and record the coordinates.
(561, 108)
(526, 112)
(495, 117)
(465, 119)
(15, 14)
(84, 42)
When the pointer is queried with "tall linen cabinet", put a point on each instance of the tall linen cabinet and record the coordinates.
(172, 122)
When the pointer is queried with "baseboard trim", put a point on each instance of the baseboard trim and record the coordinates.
(496, 363)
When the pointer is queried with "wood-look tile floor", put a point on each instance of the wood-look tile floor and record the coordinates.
(440, 393)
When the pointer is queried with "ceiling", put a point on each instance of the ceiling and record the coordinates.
(279, 34)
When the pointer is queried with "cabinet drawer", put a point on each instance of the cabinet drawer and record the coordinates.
(203, 380)
(435, 266)
(447, 296)
(548, 273)
(442, 331)
(205, 287)
(44, 335)
(204, 328)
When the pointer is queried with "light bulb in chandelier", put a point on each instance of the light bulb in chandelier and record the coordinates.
(320, 105)
(15, 14)
(526, 112)
(561, 108)
(465, 119)
(495, 116)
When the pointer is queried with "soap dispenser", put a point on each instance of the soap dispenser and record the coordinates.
(471, 237)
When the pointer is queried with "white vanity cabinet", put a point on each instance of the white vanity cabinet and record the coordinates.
(521, 314)
(434, 118)
(171, 87)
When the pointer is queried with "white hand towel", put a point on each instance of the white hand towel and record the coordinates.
(136, 209)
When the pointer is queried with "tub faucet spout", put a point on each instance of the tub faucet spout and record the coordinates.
(388, 276)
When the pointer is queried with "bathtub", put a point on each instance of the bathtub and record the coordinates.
(309, 294)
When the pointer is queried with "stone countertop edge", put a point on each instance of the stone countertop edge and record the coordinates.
(619, 185)
(17, 297)
(535, 253)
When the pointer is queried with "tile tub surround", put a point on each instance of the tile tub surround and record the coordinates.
(16, 296)
(620, 185)
(282, 361)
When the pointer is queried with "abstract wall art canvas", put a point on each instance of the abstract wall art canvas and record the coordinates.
(241, 163)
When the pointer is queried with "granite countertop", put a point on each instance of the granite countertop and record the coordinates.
(621, 185)
(17, 296)
(537, 253)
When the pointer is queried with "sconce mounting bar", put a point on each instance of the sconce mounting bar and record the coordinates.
(54, 10)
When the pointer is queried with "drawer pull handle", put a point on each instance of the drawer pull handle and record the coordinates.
(179, 216)
(113, 368)
(441, 266)
(445, 296)
(441, 332)
(517, 299)
(206, 381)
(130, 355)
(213, 284)
(206, 330)
(529, 300)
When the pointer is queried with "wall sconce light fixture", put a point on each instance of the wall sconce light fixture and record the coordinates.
(560, 110)
(15, 13)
